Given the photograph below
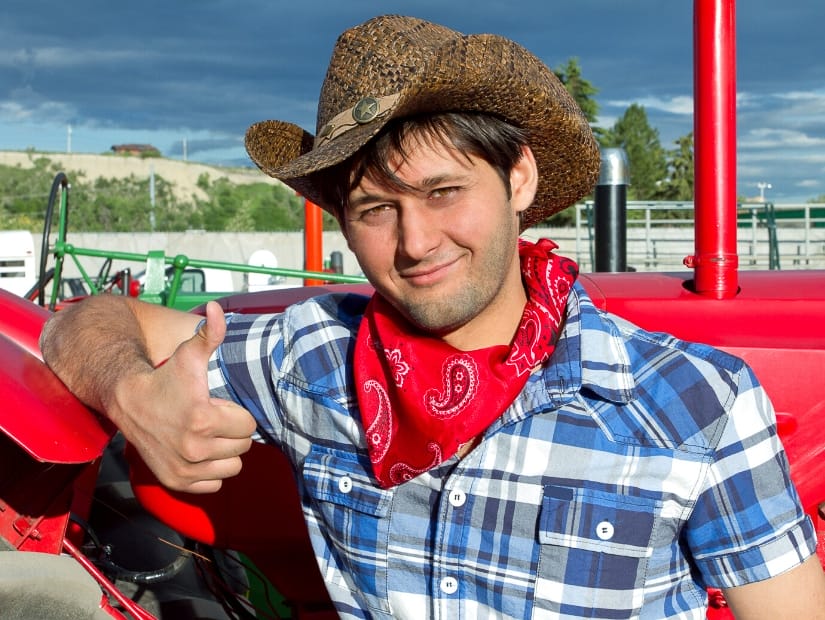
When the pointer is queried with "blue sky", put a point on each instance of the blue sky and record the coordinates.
(168, 72)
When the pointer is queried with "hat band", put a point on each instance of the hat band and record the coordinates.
(365, 111)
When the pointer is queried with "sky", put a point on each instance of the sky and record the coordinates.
(189, 76)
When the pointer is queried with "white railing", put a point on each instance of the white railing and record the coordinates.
(661, 234)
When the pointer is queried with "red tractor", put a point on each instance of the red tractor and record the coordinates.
(63, 474)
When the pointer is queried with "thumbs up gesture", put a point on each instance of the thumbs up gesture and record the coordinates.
(141, 365)
(189, 440)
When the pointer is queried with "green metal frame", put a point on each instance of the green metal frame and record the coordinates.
(158, 287)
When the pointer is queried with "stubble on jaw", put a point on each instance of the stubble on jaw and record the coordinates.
(441, 315)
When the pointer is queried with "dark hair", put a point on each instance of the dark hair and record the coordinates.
(484, 136)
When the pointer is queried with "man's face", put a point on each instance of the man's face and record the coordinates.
(444, 253)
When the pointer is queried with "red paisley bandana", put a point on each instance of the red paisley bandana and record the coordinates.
(422, 399)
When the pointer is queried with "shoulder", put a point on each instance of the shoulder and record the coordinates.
(312, 317)
(315, 333)
(330, 316)
(677, 393)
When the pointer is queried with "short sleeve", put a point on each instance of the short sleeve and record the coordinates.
(748, 523)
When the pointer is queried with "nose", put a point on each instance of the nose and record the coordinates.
(419, 231)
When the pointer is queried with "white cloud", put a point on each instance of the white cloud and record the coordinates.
(767, 138)
(49, 111)
(66, 57)
(679, 104)
(814, 95)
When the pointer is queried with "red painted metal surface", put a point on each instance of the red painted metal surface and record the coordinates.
(715, 259)
(51, 424)
(21, 321)
(135, 611)
(274, 537)
(773, 309)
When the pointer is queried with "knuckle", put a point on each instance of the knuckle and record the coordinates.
(192, 450)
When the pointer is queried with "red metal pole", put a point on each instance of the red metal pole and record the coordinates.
(715, 260)
(313, 241)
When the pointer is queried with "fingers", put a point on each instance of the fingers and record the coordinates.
(206, 449)
(206, 477)
(197, 459)
(226, 434)
(197, 349)
(232, 421)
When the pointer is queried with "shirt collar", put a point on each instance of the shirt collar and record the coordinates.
(590, 355)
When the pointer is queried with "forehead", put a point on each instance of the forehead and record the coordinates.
(418, 162)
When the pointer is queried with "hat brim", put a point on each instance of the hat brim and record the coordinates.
(506, 80)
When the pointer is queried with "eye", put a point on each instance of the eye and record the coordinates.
(375, 215)
(443, 192)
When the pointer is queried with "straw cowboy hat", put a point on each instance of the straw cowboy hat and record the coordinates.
(393, 66)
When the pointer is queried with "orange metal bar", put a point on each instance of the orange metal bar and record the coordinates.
(715, 260)
(313, 241)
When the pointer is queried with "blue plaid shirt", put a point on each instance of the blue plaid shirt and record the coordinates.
(632, 472)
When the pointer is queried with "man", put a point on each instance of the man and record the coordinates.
(475, 440)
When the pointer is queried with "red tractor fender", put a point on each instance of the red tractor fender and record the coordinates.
(39, 413)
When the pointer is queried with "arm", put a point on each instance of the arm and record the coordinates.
(798, 593)
(106, 350)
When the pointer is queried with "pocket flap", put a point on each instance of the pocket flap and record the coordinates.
(598, 521)
(344, 479)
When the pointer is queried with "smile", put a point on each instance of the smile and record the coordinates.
(428, 275)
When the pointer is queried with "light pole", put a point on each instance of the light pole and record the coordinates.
(762, 185)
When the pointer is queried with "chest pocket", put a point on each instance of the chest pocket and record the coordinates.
(594, 551)
(354, 522)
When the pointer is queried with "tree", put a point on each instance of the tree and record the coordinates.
(678, 185)
(582, 91)
(570, 74)
(250, 207)
(645, 155)
(24, 192)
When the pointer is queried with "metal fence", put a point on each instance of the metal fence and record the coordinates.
(661, 234)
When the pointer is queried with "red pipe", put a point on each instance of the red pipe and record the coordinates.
(714, 55)
(134, 609)
(313, 241)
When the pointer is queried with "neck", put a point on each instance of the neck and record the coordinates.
(498, 322)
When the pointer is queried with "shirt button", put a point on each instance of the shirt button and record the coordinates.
(449, 585)
(457, 498)
(605, 530)
(345, 484)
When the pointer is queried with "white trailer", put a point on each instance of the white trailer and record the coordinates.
(17, 270)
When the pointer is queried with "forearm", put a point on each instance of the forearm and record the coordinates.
(798, 593)
(92, 345)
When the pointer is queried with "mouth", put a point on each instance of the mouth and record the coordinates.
(428, 275)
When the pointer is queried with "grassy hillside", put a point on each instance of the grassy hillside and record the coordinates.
(117, 193)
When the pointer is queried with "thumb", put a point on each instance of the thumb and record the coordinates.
(211, 332)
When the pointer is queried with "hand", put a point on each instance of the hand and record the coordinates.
(190, 441)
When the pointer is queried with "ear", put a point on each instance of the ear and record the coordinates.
(524, 179)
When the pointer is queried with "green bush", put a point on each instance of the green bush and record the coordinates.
(125, 205)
